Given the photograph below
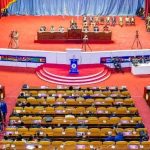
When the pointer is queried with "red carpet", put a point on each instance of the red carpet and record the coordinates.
(59, 74)
(29, 25)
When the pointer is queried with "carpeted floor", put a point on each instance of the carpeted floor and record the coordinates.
(13, 78)
(28, 26)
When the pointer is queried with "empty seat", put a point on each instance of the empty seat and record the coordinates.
(57, 145)
(145, 145)
(47, 131)
(49, 110)
(22, 131)
(94, 132)
(80, 110)
(58, 132)
(71, 102)
(70, 132)
(93, 120)
(121, 145)
(90, 110)
(45, 144)
(95, 144)
(103, 120)
(70, 145)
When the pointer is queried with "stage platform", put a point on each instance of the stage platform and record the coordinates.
(28, 26)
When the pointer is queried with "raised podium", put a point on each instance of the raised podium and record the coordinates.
(73, 66)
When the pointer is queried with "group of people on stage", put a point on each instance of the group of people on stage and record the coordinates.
(52, 29)
(108, 20)
(94, 22)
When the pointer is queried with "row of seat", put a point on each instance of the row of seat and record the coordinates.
(72, 145)
(75, 93)
(69, 119)
(78, 101)
(73, 132)
(75, 110)
(58, 115)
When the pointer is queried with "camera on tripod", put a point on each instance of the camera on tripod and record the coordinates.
(137, 34)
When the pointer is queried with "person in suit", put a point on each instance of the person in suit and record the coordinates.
(3, 108)
(5, 12)
(127, 20)
(85, 29)
(139, 124)
(1, 120)
(113, 20)
(121, 21)
(119, 137)
(96, 28)
(107, 20)
(61, 29)
(52, 29)
(42, 28)
(109, 137)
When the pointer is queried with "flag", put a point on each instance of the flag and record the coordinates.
(6, 3)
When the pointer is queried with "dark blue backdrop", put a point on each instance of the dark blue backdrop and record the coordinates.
(75, 7)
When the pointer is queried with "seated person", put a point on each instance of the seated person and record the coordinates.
(109, 137)
(143, 136)
(42, 28)
(107, 20)
(119, 137)
(96, 28)
(52, 29)
(140, 12)
(84, 19)
(139, 124)
(117, 64)
(121, 21)
(97, 20)
(85, 29)
(85, 24)
(61, 29)
(73, 24)
(127, 20)
(106, 28)
(113, 20)
(135, 61)
(132, 20)
(148, 26)
(148, 18)
(102, 21)
(5, 13)
(142, 60)
(91, 19)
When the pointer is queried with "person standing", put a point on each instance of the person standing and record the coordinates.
(3, 107)
(14, 40)
(1, 120)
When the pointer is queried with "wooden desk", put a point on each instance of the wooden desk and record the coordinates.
(74, 35)
(147, 94)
